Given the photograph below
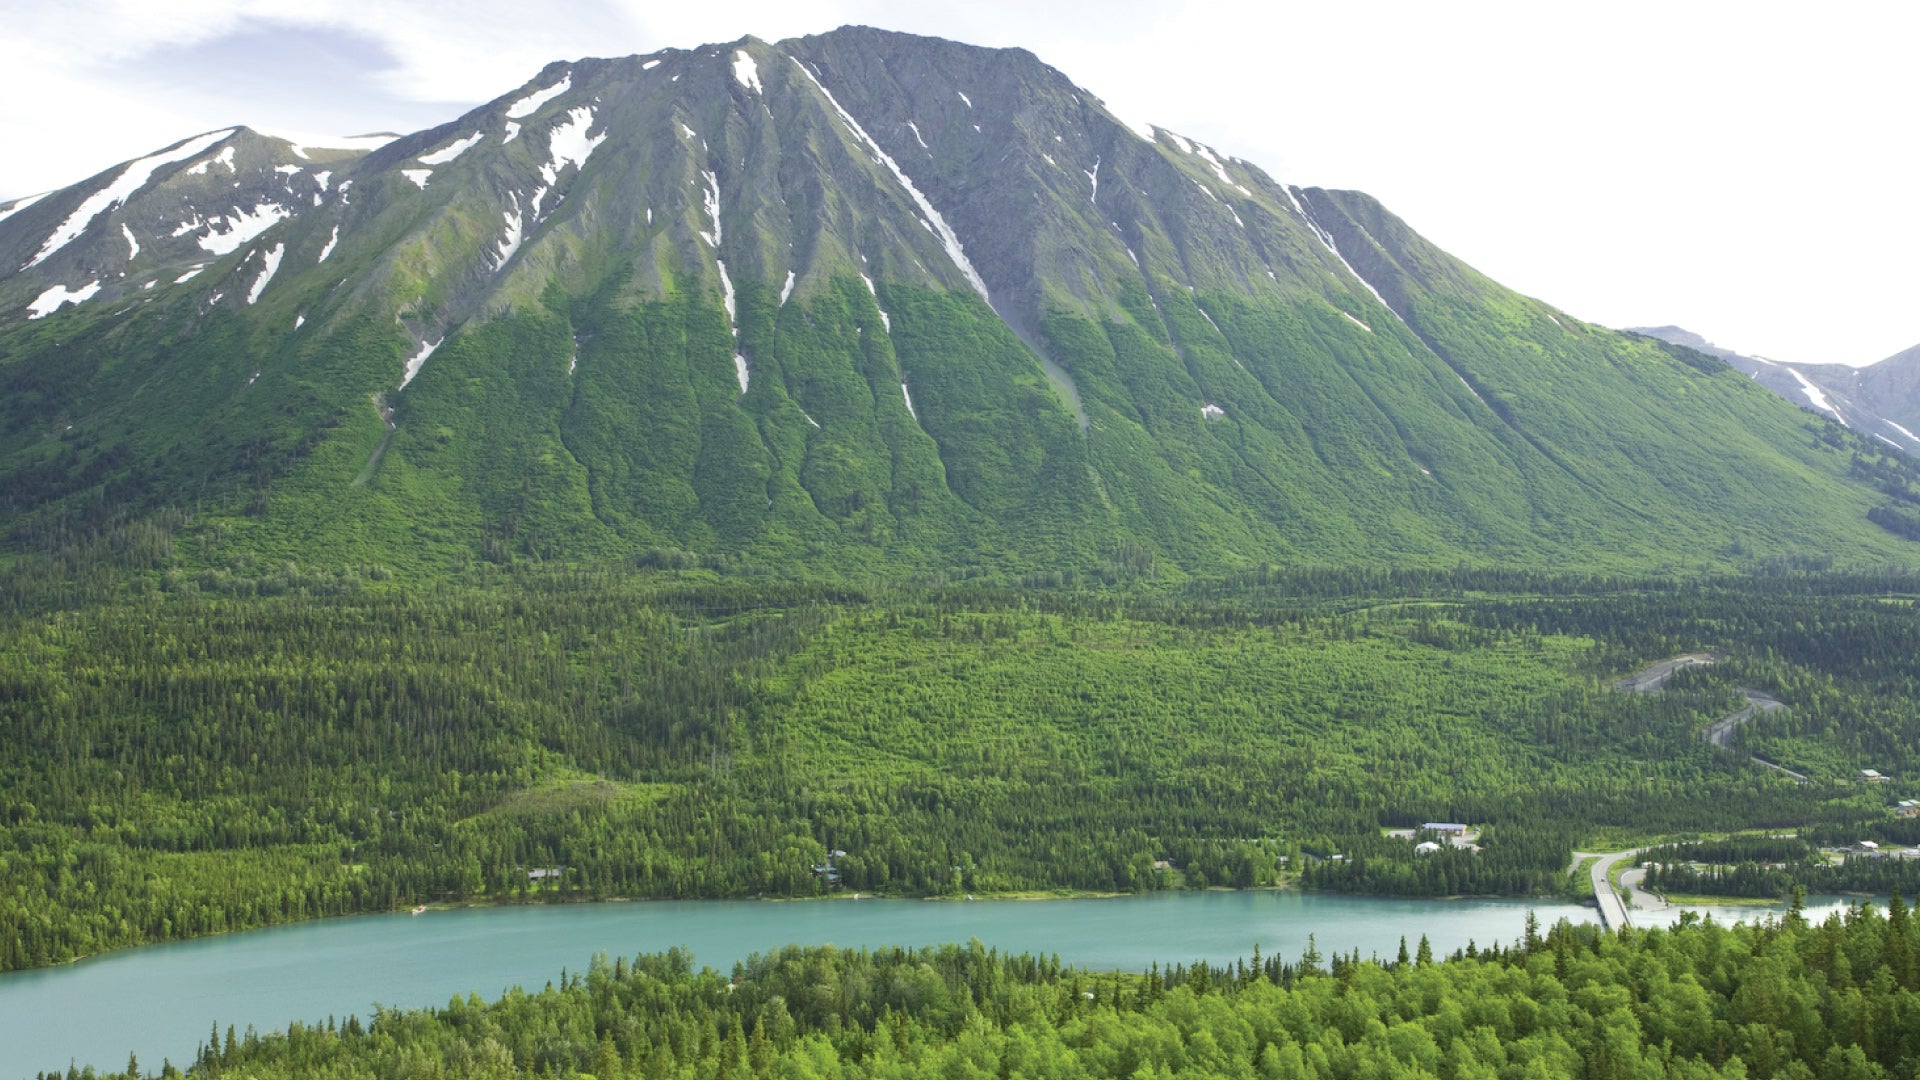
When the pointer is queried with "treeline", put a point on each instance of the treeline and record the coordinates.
(1773, 866)
(1855, 874)
(1518, 859)
(1781, 999)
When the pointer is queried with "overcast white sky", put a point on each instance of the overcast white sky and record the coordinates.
(1745, 170)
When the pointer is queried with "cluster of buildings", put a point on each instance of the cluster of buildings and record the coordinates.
(1454, 831)
(828, 872)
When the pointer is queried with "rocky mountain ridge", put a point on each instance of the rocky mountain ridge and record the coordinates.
(1880, 400)
(849, 302)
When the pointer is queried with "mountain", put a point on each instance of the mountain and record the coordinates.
(1881, 400)
(853, 302)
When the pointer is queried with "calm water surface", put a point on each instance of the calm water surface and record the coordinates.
(160, 1001)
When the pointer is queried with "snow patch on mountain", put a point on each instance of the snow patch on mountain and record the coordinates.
(965, 98)
(569, 144)
(272, 261)
(21, 204)
(50, 301)
(130, 180)
(224, 157)
(1900, 429)
(946, 234)
(1888, 441)
(1817, 398)
(417, 361)
(915, 128)
(1210, 411)
(189, 275)
(710, 201)
(332, 242)
(418, 176)
(530, 104)
(1358, 323)
(1327, 239)
(885, 322)
(1219, 168)
(649, 65)
(746, 71)
(242, 226)
(909, 400)
(452, 150)
(510, 243)
(133, 246)
(786, 291)
(726, 298)
(1093, 177)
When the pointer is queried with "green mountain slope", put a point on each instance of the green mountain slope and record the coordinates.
(850, 303)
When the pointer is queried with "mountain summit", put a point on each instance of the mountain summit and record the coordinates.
(853, 301)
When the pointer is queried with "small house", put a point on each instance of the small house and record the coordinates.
(1425, 847)
(1451, 828)
(1908, 808)
(1868, 846)
(1871, 776)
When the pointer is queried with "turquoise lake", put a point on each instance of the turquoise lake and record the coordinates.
(160, 1001)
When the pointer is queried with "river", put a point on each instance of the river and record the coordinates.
(160, 1001)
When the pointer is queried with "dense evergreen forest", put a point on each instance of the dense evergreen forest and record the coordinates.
(1784, 999)
(1776, 866)
(185, 753)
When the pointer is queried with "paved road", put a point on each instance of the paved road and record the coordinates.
(1652, 678)
(1642, 899)
(1720, 732)
(1649, 679)
(1613, 913)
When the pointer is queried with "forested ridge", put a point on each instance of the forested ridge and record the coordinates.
(199, 754)
(1781, 999)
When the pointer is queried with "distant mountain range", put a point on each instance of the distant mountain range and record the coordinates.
(851, 303)
(1880, 400)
